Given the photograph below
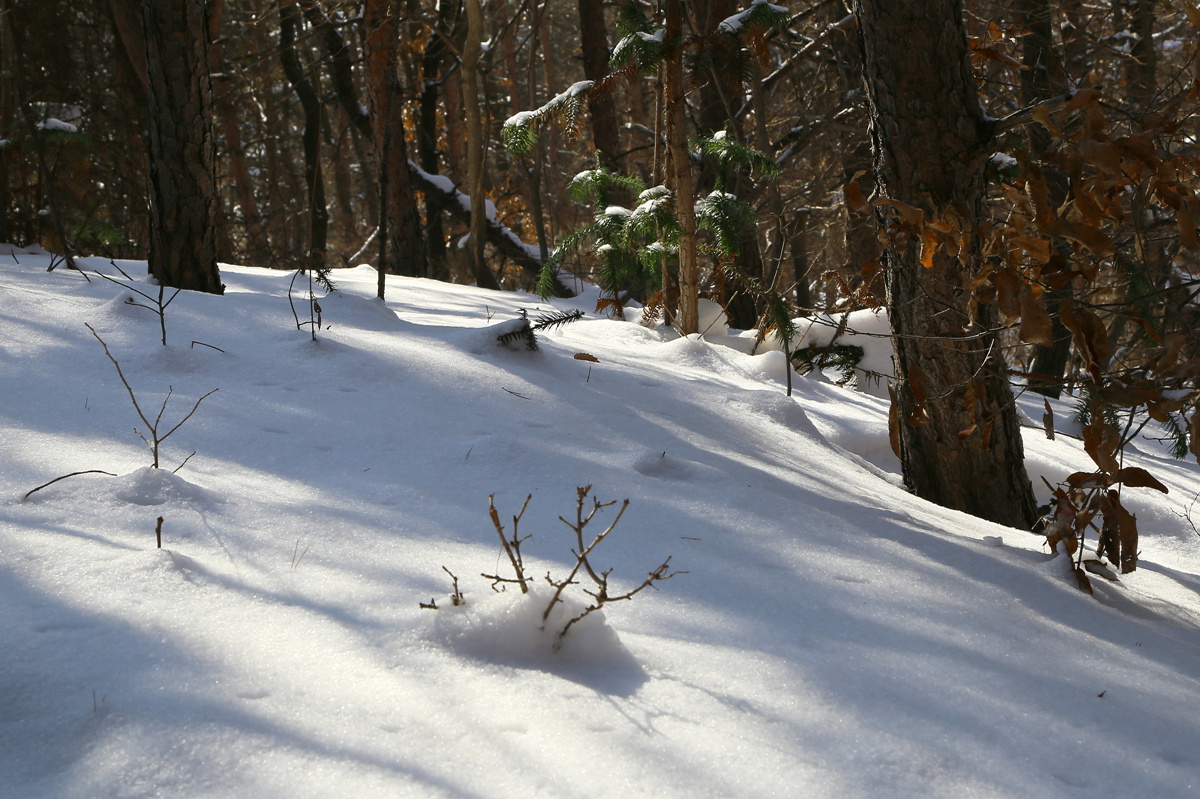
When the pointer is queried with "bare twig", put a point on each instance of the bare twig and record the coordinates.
(457, 597)
(64, 477)
(210, 346)
(601, 597)
(155, 440)
(296, 549)
(581, 556)
(511, 548)
(159, 306)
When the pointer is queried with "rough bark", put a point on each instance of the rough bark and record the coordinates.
(959, 441)
(183, 191)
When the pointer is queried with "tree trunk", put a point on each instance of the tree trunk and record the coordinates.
(314, 179)
(1143, 70)
(674, 97)
(183, 191)
(476, 146)
(432, 62)
(259, 248)
(593, 38)
(960, 445)
(1038, 83)
(400, 222)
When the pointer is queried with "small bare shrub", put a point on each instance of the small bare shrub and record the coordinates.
(582, 573)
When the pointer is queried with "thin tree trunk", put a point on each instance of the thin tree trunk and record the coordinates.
(960, 445)
(183, 191)
(259, 248)
(476, 146)
(314, 179)
(433, 61)
(1041, 64)
(681, 184)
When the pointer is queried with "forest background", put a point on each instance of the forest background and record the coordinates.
(1014, 181)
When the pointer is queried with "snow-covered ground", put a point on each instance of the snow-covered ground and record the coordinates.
(831, 637)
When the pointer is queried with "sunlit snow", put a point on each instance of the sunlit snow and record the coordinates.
(831, 636)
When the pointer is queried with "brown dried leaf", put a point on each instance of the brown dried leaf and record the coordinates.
(1042, 114)
(1085, 480)
(929, 246)
(1103, 155)
(894, 421)
(1084, 98)
(854, 196)
(1036, 326)
(910, 215)
(1136, 477)
(583, 356)
(1008, 294)
(1193, 14)
(1089, 334)
(1119, 537)
(1087, 235)
(1038, 249)
(1100, 441)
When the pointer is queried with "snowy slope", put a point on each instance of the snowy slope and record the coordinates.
(832, 636)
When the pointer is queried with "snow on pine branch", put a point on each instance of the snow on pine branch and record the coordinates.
(518, 131)
(760, 13)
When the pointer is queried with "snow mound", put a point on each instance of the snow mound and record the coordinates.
(125, 306)
(339, 308)
(486, 340)
(660, 464)
(150, 486)
(506, 628)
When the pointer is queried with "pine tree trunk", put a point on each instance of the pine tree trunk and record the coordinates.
(183, 191)
(960, 445)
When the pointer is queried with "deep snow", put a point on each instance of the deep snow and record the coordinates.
(832, 637)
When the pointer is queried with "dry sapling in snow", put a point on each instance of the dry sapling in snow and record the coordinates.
(156, 438)
(583, 551)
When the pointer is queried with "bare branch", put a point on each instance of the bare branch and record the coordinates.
(64, 477)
